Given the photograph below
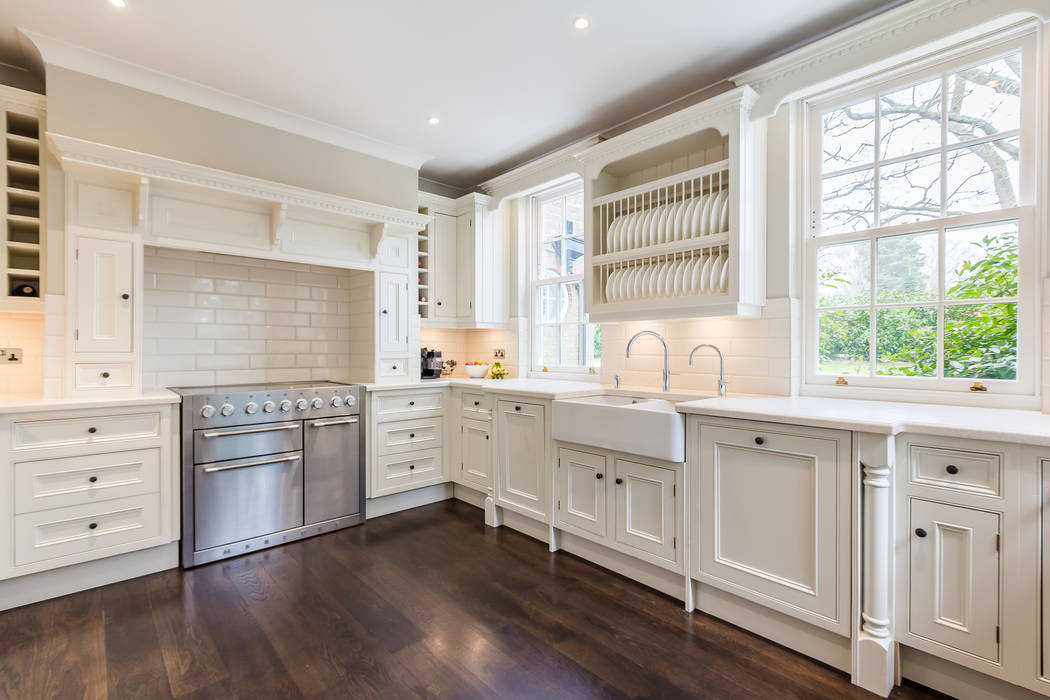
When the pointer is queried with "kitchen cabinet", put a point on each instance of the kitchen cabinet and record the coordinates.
(103, 294)
(773, 516)
(954, 577)
(645, 508)
(582, 489)
(393, 314)
(21, 246)
(407, 445)
(475, 465)
(523, 482)
(443, 264)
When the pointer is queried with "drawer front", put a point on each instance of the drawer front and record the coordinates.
(392, 367)
(388, 405)
(218, 444)
(476, 405)
(103, 376)
(413, 470)
(409, 435)
(76, 530)
(73, 481)
(33, 434)
(963, 470)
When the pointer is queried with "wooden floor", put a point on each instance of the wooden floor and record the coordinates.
(424, 603)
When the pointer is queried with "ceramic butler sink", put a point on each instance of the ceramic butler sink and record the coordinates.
(645, 427)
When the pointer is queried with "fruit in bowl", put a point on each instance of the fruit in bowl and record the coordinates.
(476, 370)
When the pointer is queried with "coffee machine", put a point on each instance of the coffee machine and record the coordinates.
(430, 364)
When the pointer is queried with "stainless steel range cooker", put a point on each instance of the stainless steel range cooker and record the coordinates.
(263, 465)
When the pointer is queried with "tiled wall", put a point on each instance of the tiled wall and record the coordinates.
(25, 331)
(223, 319)
(470, 345)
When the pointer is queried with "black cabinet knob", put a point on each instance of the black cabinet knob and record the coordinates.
(619, 481)
(92, 430)
(411, 435)
(439, 303)
(952, 469)
(93, 479)
(384, 311)
(393, 367)
(920, 532)
(411, 403)
(92, 526)
(411, 466)
(477, 403)
(486, 437)
(517, 408)
(599, 476)
(760, 441)
(105, 375)
(125, 296)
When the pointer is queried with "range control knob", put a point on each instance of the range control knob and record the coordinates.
(350, 400)
(301, 404)
(337, 401)
(251, 408)
(286, 405)
(226, 409)
(207, 410)
(268, 406)
(317, 402)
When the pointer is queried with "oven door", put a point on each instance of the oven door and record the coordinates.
(217, 444)
(333, 468)
(239, 499)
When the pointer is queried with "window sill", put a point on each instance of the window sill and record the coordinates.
(583, 376)
(930, 396)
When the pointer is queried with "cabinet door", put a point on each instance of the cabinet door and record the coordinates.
(475, 455)
(465, 265)
(581, 491)
(393, 313)
(104, 277)
(774, 518)
(645, 508)
(523, 472)
(443, 266)
(954, 577)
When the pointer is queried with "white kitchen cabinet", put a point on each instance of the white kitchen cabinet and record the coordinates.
(407, 446)
(954, 577)
(393, 314)
(524, 474)
(645, 508)
(582, 492)
(103, 295)
(443, 264)
(773, 516)
(475, 465)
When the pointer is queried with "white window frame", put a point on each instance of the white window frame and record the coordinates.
(1022, 392)
(534, 244)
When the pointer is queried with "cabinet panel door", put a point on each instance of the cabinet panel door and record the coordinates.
(476, 455)
(954, 577)
(645, 508)
(581, 491)
(465, 268)
(393, 313)
(523, 473)
(104, 276)
(774, 519)
(443, 266)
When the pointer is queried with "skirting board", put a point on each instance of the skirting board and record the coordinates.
(395, 502)
(958, 681)
(469, 495)
(667, 582)
(34, 588)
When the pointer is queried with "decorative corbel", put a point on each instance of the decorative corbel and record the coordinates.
(278, 216)
(377, 231)
(142, 205)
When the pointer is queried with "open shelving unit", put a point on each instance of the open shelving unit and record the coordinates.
(22, 209)
(423, 249)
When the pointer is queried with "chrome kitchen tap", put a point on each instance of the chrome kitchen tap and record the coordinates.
(667, 372)
(721, 366)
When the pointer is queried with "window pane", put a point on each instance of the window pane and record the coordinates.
(983, 177)
(910, 120)
(572, 347)
(573, 256)
(906, 341)
(844, 338)
(550, 263)
(980, 341)
(570, 308)
(849, 202)
(849, 136)
(574, 215)
(910, 191)
(906, 268)
(546, 303)
(985, 100)
(594, 345)
(981, 261)
(547, 345)
(844, 274)
(552, 218)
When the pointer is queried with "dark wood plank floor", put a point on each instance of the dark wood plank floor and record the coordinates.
(425, 603)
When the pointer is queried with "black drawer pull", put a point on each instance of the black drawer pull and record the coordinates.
(952, 469)
(920, 532)
(92, 430)
(619, 481)
(599, 476)
(92, 526)
(760, 440)
(93, 479)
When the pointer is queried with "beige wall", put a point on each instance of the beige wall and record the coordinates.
(473, 345)
(98, 110)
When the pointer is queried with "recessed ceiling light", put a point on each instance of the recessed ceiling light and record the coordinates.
(581, 23)
(433, 120)
(118, 3)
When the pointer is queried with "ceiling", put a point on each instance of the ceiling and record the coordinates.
(509, 80)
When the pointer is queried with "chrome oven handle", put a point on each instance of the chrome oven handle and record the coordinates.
(344, 421)
(242, 465)
(250, 431)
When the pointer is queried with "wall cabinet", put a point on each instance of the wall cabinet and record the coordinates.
(442, 267)
(524, 474)
(393, 313)
(105, 283)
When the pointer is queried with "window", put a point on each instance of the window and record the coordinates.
(921, 243)
(562, 340)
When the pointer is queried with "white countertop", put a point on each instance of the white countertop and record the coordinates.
(885, 417)
(540, 388)
(108, 401)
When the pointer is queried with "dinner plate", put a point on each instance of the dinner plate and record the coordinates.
(679, 276)
(641, 231)
(687, 221)
(697, 217)
(676, 223)
(656, 227)
(611, 240)
(643, 281)
(705, 274)
(723, 278)
(725, 213)
(713, 274)
(621, 233)
(705, 216)
(656, 281)
(668, 281)
(612, 285)
(693, 285)
(716, 213)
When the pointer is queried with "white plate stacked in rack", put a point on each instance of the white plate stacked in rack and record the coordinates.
(690, 275)
(684, 219)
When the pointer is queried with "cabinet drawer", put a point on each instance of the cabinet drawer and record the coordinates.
(409, 435)
(388, 405)
(32, 434)
(102, 376)
(393, 367)
(94, 527)
(58, 483)
(963, 470)
(476, 405)
(412, 469)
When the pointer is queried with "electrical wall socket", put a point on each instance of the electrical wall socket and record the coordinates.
(499, 354)
(11, 356)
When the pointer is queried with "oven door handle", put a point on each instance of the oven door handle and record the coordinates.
(251, 431)
(324, 424)
(259, 463)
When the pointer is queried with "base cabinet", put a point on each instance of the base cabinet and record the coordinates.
(475, 465)
(406, 449)
(524, 474)
(582, 491)
(645, 508)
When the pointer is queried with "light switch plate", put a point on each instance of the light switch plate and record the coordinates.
(11, 356)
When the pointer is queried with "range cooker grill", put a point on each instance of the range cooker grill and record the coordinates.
(266, 465)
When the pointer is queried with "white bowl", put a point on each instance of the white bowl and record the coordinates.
(476, 371)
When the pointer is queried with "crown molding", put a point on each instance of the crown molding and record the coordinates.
(55, 52)
(919, 26)
(554, 168)
(74, 154)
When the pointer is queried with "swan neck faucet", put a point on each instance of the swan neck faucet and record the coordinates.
(721, 366)
(667, 372)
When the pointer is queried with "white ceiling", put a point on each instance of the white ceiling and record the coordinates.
(509, 80)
